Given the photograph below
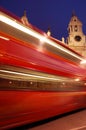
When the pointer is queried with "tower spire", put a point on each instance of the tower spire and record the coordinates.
(24, 12)
(49, 32)
(24, 18)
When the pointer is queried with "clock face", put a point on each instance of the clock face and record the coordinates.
(77, 38)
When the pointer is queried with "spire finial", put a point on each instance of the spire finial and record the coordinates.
(73, 13)
(24, 19)
(24, 12)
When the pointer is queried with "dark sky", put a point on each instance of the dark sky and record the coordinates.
(55, 14)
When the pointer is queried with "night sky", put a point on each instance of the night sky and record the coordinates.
(55, 14)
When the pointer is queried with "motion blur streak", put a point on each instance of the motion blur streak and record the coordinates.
(36, 84)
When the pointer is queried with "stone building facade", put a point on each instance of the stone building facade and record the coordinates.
(76, 38)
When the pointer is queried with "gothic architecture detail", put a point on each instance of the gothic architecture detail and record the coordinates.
(76, 38)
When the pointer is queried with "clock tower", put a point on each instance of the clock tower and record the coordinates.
(76, 39)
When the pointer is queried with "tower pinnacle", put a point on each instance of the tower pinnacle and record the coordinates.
(49, 31)
(24, 19)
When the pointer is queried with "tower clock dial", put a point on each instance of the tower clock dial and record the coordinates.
(77, 38)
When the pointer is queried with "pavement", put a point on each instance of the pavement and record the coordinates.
(72, 121)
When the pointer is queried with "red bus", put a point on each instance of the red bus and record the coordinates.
(40, 77)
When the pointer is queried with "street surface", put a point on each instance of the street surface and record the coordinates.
(74, 121)
(71, 121)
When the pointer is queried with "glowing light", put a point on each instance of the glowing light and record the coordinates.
(31, 75)
(28, 75)
(77, 79)
(84, 83)
(5, 38)
(63, 83)
(43, 39)
(83, 62)
(18, 26)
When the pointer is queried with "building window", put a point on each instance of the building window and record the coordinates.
(75, 28)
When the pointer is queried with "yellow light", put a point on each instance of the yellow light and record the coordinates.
(77, 79)
(4, 38)
(83, 62)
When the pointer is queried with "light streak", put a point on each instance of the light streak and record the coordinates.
(28, 75)
(5, 38)
(10, 21)
(83, 62)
